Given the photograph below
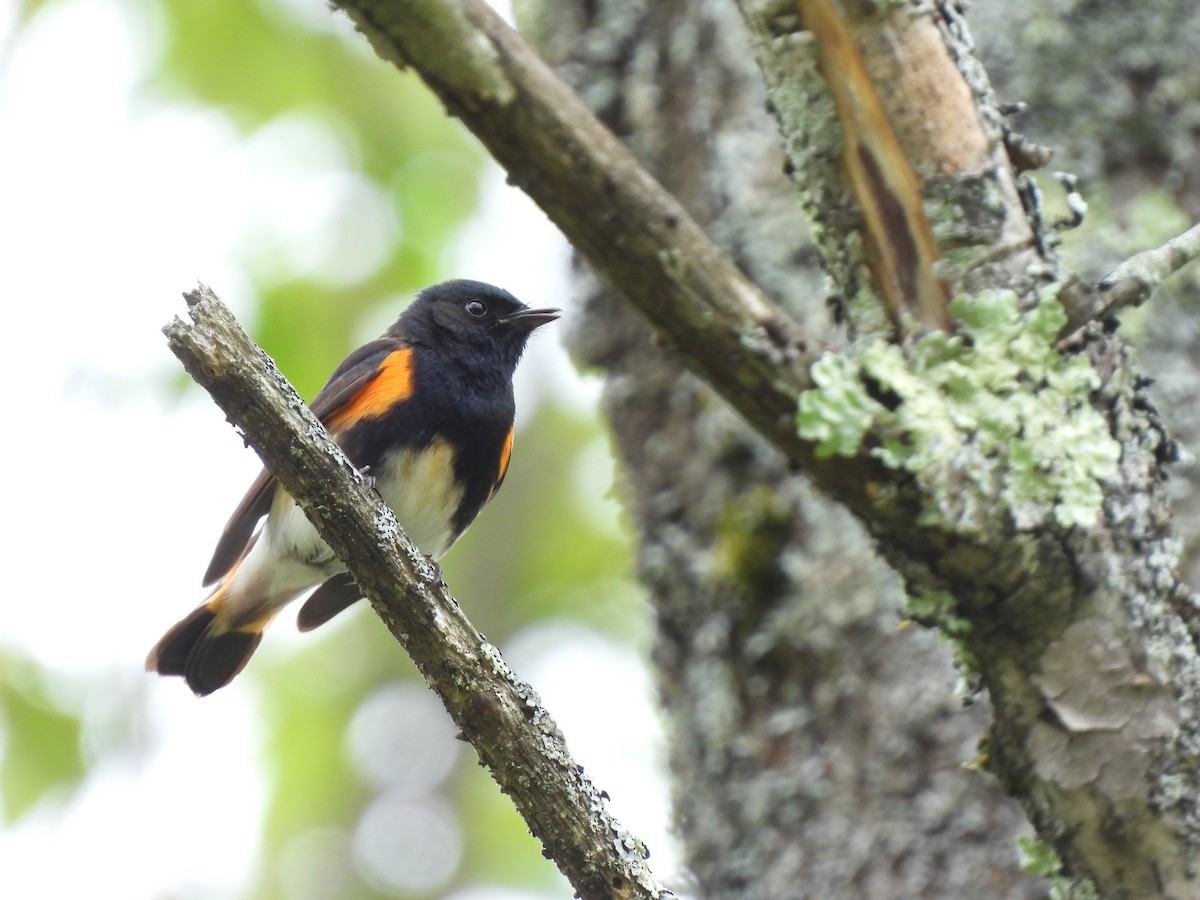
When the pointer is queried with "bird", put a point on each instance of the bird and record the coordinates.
(426, 412)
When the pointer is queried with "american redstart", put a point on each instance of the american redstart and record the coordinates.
(427, 412)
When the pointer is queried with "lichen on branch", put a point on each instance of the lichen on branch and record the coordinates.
(993, 412)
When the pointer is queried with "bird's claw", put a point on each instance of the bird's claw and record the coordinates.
(438, 575)
(365, 471)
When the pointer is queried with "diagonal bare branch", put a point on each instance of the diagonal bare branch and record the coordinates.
(499, 714)
(630, 229)
(635, 235)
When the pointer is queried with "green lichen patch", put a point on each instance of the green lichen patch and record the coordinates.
(990, 421)
(1040, 859)
(939, 609)
(936, 609)
(839, 412)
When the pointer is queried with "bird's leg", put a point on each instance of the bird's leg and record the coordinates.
(365, 471)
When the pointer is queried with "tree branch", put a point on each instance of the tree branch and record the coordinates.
(500, 715)
(1131, 283)
(632, 231)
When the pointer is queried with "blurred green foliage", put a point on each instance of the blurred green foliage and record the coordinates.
(43, 756)
(258, 63)
(538, 552)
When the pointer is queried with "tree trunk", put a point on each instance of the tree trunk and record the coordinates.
(818, 747)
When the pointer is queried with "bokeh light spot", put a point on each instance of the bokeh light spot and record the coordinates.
(402, 739)
(408, 847)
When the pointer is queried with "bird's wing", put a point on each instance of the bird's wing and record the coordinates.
(336, 594)
(369, 379)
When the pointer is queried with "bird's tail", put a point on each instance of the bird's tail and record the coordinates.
(207, 647)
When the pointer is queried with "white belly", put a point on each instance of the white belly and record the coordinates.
(289, 557)
(420, 488)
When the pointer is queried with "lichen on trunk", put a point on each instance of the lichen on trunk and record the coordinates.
(815, 741)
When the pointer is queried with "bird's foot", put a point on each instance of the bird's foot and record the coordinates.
(365, 471)
(438, 574)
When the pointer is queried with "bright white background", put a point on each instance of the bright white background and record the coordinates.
(114, 490)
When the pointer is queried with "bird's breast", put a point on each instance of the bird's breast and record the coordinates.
(423, 491)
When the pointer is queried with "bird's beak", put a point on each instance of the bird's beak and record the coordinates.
(529, 319)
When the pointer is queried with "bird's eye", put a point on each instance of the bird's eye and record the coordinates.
(476, 308)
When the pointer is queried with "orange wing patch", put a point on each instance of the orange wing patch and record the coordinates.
(505, 456)
(393, 384)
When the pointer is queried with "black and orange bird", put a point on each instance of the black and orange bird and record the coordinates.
(427, 412)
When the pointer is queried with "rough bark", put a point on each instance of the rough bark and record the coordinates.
(1110, 87)
(1083, 635)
